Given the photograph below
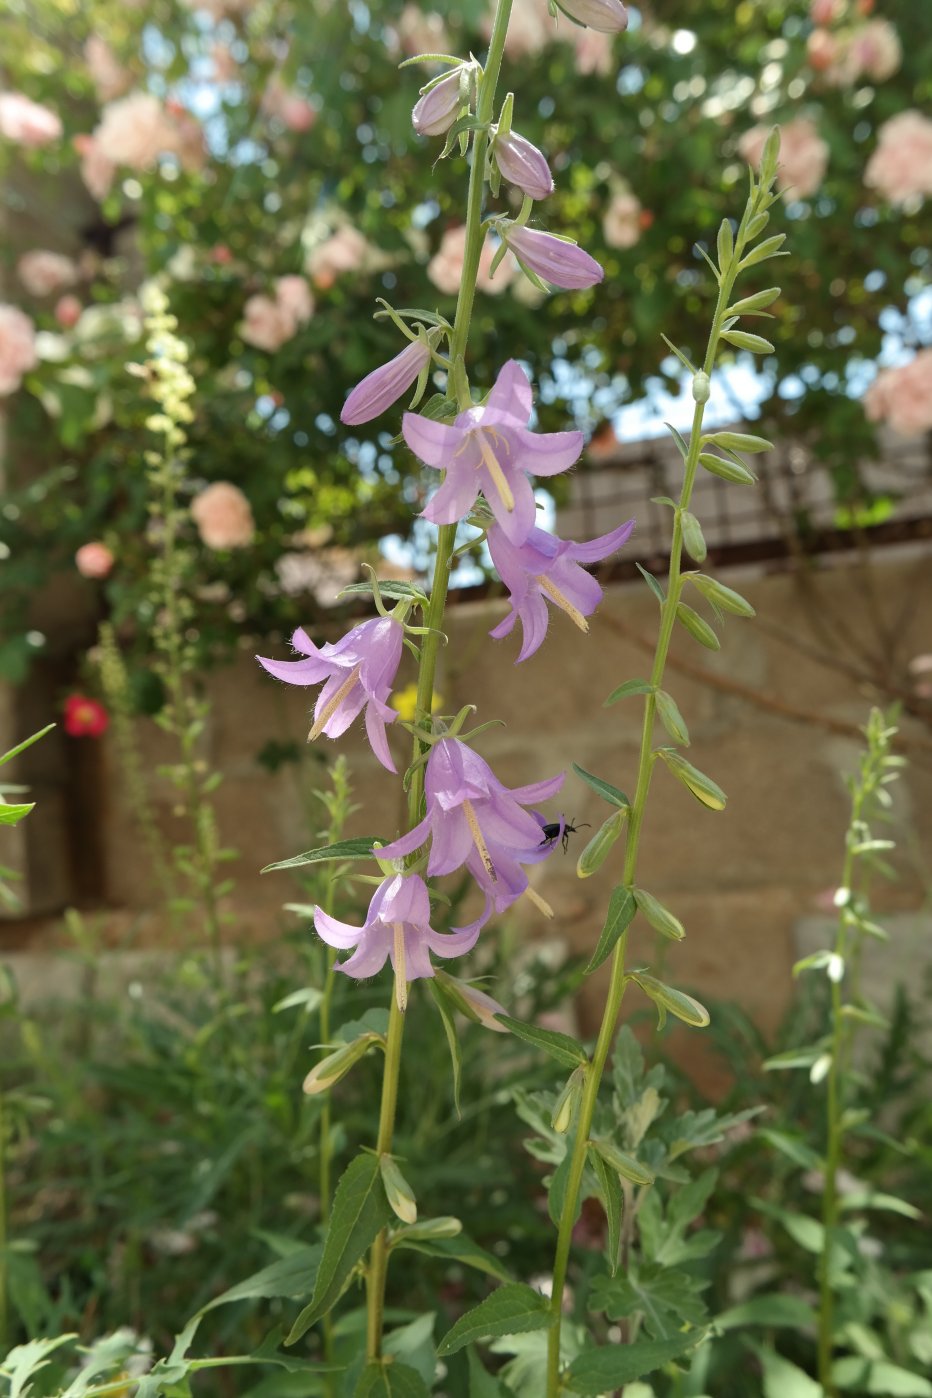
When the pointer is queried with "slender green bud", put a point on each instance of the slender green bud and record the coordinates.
(757, 224)
(336, 1065)
(624, 1165)
(770, 157)
(594, 855)
(399, 1193)
(693, 538)
(732, 471)
(721, 596)
(702, 787)
(754, 344)
(697, 627)
(702, 387)
(671, 718)
(446, 1226)
(758, 302)
(678, 1003)
(770, 247)
(726, 245)
(738, 441)
(659, 917)
(565, 1105)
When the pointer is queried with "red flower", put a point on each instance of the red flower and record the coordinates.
(85, 718)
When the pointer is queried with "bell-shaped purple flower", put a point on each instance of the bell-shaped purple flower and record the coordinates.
(490, 448)
(473, 820)
(358, 670)
(385, 385)
(523, 165)
(397, 927)
(553, 259)
(436, 109)
(608, 16)
(547, 569)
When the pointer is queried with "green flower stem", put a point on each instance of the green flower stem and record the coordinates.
(3, 1228)
(616, 987)
(427, 668)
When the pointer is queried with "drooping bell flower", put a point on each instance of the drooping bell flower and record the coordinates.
(397, 927)
(385, 385)
(358, 671)
(607, 16)
(439, 105)
(473, 820)
(546, 569)
(523, 165)
(553, 259)
(491, 448)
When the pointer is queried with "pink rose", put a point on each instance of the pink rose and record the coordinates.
(445, 268)
(97, 171)
(294, 295)
(270, 321)
(825, 11)
(287, 106)
(901, 166)
(68, 311)
(42, 273)
(803, 156)
(17, 348)
(823, 50)
(621, 223)
(422, 33)
(108, 75)
(93, 560)
(595, 52)
(902, 397)
(135, 131)
(874, 50)
(26, 123)
(345, 251)
(223, 516)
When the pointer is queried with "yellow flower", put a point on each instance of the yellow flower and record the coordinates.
(405, 702)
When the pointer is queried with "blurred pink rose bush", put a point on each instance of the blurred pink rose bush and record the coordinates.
(223, 516)
(902, 397)
(17, 348)
(901, 166)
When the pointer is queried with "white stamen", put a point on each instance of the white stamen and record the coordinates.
(564, 603)
(478, 841)
(495, 471)
(540, 904)
(333, 704)
(401, 977)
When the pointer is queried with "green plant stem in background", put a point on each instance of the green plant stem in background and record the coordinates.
(646, 761)
(3, 1227)
(427, 667)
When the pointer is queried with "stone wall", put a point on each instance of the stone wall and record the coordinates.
(745, 882)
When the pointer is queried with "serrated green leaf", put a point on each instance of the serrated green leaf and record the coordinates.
(773, 1311)
(665, 1297)
(358, 848)
(612, 1199)
(292, 1276)
(560, 1046)
(459, 1249)
(359, 1212)
(598, 1371)
(621, 910)
(613, 794)
(511, 1310)
(390, 1380)
(880, 1377)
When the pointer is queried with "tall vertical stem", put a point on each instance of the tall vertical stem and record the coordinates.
(427, 668)
(616, 987)
(3, 1228)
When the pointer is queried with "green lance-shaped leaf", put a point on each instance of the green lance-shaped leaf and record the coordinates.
(336, 1065)
(671, 718)
(626, 690)
(720, 596)
(451, 1249)
(678, 1003)
(12, 815)
(770, 247)
(738, 441)
(291, 1276)
(564, 1107)
(649, 578)
(732, 471)
(427, 1230)
(697, 626)
(693, 537)
(612, 794)
(602, 1370)
(445, 1007)
(560, 1046)
(769, 157)
(748, 305)
(659, 917)
(511, 1310)
(388, 1379)
(597, 850)
(741, 339)
(398, 1192)
(623, 1164)
(359, 1212)
(612, 1197)
(621, 910)
(359, 848)
(702, 787)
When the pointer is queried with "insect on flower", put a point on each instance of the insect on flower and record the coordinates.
(561, 830)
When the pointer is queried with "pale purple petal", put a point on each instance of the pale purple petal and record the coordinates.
(458, 941)
(434, 443)
(549, 453)
(510, 396)
(455, 497)
(378, 738)
(505, 626)
(451, 843)
(370, 956)
(335, 933)
(407, 844)
(297, 671)
(561, 263)
(537, 791)
(385, 385)
(405, 900)
(516, 523)
(535, 618)
(346, 711)
(597, 549)
(417, 957)
(523, 165)
(607, 16)
(436, 111)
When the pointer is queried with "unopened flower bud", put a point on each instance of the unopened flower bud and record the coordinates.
(336, 1065)
(565, 1105)
(523, 165)
(702, 387)
(438, 107)
(597, 850)
(385, 385)
(608, 16)
(553, 259)
(399, 1193)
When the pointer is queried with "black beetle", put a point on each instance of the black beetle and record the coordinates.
(552, 830)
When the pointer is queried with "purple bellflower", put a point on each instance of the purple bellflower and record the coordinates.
(490, 448)
(523, 165)
(545, 568)
(397, 926)
(385, 385)
(608, 16)
(439, 106)
(473, 820)
(359, 671)
(553, 259)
